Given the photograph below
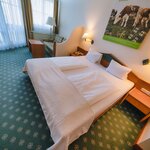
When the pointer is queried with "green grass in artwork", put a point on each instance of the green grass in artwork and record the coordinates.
(121, 41)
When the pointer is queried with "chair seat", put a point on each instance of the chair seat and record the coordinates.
(49, 47)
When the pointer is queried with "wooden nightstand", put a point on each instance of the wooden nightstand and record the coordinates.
(140, 100)
(79, 52)
(36, 48)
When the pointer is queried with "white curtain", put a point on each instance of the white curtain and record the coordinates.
(41, 10)
(12, 33)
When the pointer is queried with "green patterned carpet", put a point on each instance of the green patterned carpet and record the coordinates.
(23, 126)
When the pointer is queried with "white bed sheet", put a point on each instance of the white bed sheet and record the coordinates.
(123, 85)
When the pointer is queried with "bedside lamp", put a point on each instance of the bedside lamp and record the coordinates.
(87, 38)
(51, 21)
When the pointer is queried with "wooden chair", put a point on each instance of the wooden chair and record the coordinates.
(69, 45)
(50, 45)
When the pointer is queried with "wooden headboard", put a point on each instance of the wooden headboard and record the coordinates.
(106, 59)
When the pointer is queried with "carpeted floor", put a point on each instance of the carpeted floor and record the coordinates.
(23, 126)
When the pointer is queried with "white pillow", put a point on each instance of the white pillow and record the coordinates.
(118, 70)
(93, 56)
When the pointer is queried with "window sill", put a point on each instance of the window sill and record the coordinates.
(40, 33)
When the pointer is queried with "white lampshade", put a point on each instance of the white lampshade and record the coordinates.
(51, 21)
(85, 35)
(87, 38)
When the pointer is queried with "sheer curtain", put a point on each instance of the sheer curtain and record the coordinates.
(12, 33)
(41, 10)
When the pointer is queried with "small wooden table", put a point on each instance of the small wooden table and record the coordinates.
(79, 52)
(140, 100)
(36, 47)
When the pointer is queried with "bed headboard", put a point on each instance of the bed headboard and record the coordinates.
(106, 59)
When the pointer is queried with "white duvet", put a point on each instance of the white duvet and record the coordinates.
(94, 86)
(67, 100)
(67, 113)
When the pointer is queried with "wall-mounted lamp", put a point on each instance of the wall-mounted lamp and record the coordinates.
(146, 61)
(87, 38)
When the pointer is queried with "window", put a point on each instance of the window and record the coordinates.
(1, 38)
(12, 32)
(41, 10)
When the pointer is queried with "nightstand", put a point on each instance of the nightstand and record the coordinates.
(79, 52)
(36, 47)
(140, 100)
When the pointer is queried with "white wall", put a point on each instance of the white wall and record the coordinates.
(94, 16)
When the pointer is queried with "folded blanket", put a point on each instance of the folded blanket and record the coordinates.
(94, 86)
(68, 63)
(67, 113)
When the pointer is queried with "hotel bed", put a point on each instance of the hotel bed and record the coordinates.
(73, 92)
(110, 99)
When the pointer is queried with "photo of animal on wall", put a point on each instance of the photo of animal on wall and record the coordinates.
(128, 25)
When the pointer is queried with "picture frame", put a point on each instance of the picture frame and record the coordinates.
(128, 24)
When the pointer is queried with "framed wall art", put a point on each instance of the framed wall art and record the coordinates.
(128, 24)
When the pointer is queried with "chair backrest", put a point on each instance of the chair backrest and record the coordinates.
(71, 43)
(58, 38)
